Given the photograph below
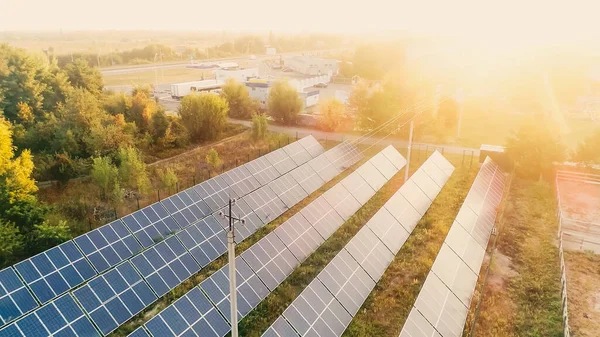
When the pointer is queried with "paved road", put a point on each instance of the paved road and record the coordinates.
(301, 132)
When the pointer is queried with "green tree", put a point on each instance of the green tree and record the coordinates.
(13, 243)
(534, 148)
(588, 151)
(81, 75)
(332, 114)
(160, 125)
(448, 113)
(47, 235)
(204, 115)
(284, 103)
(259, 126)
(168, 178)
(212, 158)
(241, 105)
(106, 176)
(132, 170)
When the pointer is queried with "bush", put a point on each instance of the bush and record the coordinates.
(204, 115)
(259, 126)
(212, 158)
(332, 114)
(284, 103)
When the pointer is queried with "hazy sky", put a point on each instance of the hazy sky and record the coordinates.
(471, 17)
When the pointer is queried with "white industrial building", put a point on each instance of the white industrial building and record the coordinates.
(240, 75)
(309, 65)
(260, 89)
(179, 90)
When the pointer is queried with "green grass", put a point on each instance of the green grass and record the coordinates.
(162, 76)
(524, 297)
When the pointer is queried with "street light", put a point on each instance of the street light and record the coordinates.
(231, 253)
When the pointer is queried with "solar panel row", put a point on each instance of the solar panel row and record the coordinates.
(326, 307)
(64, 267)
(443, 303)
(263, 266)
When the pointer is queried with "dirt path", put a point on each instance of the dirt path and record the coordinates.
(583, 290)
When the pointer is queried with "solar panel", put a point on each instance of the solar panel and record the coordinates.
(281, 161)
(344, 155)
(342, 201)
(384, 166)
(271, 260)
(288, 190)
(327, 305)
(371, 175)
(324, 218)
(151, 224)
(298, 153)
(55, 271)
(61, 317)
(307, 178)
(205, 240)
(435, 173)
(312, 146)
(358, 187)
(250, 288)
(114, 297)
(215, 192)
(415, 196)
(323, 167)
(15, 299)
(262, 170)
(241, 210)
(165, 265)
(443, 302)
(108, 245)
(299, 236)
(394, 157)
(426, 184)
(241, 180)
(191, 315)
(139, 332)
(265, 203)
(186, 207)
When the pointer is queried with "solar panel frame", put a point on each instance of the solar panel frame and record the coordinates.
(288, 190)
(394, 157)
(186, 207)
(298, 153)
(240, 180)
(114, 297)
(391, 233)
(308, 179)
(280, 328)
(299, 236)
(342, 201)
(262, 170)
(281, 161)
(323, 166)
(358, 187)
(215, 192)
(312, 146)
(205, 240)
(370, 253)
(43, 277)
(372, 175)
(384, 166)
(455, 274)
(15, 298)
(265, 203)
(108, 245)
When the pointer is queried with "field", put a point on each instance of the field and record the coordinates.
(162, 76)
(522, 293)
(583, 291)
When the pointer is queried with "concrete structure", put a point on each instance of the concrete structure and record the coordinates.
(308, 65)
(179, 90)
(260, 89)
(240, 75)
(303, 84)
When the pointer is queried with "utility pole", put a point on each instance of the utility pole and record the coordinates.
(410, 136)
(231, 250)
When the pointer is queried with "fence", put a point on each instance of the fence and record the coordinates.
(563, 269)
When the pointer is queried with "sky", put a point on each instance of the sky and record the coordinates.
(480, 18)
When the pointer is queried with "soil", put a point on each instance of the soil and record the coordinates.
(583, 284)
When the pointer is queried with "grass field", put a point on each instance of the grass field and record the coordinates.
(162, 76)
(522, 293)
(583, 290)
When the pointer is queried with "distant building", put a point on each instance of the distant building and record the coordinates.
(240, 75)
(309, 65)
(260, 89)
(179, 90)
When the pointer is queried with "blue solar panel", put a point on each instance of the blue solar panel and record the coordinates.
(108, 245)
(151, 224)
(307, 178)
(165, 265)
(312, 146)
(215, 192)
(281, 328)
(299, 236)
(139, 332)
(281, 161)
(288, 190)
(114, 297)
(192, 316)
(55, 271)
(186, 207)
(15, 299)
(61, 317)
(241, 210)
(205, 240)
(265, 203)
(297, 152)
(241, 181)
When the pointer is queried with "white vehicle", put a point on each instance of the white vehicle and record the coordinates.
(179, 90)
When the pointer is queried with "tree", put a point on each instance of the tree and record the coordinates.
(204, 115)
(106, 176)
(81, 75)
(284, 103)
(212, 158)
(259, 126)
(168, 178)
(588, 151)
(132, 169)
(143, 108)
(241, 105)
(47, 235)
(160, 124)
(448, 112)
(332, 114)
(534, 148)
(13, 243)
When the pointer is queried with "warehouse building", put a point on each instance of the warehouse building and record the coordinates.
(240, 75)
(259, 89)
(315, 66)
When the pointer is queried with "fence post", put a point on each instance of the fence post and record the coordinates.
(177, 186)
(137, 198)
(296, 135)
(116, 215)
(158, 194)
(194, 180)
(443, 150)
(471, 163)
(325, 142)
(237, 162)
